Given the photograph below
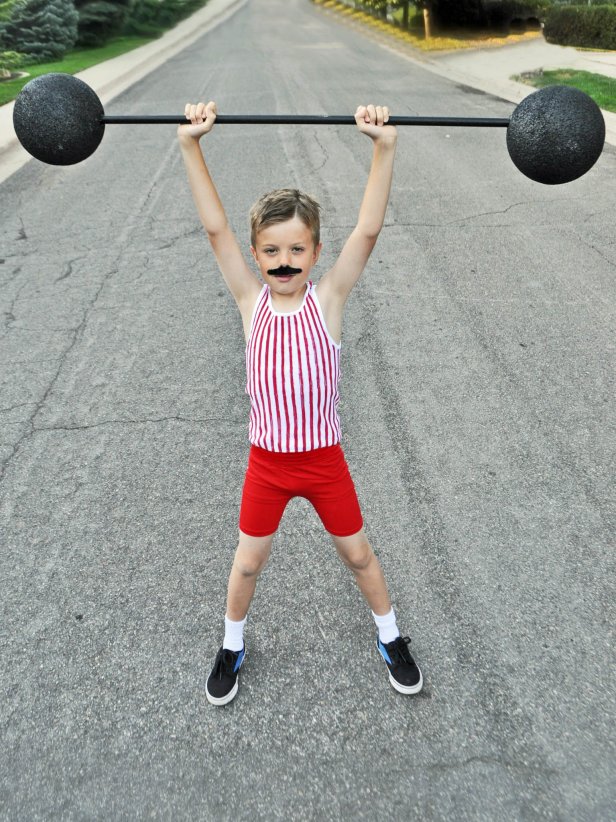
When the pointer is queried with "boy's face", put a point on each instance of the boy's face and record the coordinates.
(286, 245)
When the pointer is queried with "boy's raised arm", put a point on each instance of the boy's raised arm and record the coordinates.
(345, 273)
(236, 273)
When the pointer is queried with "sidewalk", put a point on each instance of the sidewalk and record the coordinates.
(487, 70)
(501, 63)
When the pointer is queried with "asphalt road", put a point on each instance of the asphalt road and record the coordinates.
(478, 422)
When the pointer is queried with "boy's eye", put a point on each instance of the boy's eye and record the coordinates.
(297, 248)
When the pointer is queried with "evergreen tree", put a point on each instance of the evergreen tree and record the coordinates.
(43, 29)
(100, 20)
(5, 8)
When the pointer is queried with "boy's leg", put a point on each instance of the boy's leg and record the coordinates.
(250, 558)
(357, 554)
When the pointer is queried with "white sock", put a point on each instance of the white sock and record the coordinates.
(234, 634)
(388, 630)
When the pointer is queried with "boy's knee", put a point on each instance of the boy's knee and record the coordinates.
(249, 567)
(358, 556)
(250, 562)
(361, 560)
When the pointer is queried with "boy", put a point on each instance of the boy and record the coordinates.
(293, 331)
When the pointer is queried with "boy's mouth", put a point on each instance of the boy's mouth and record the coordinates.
(284, 271)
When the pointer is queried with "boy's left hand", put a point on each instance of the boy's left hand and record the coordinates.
(371, 121)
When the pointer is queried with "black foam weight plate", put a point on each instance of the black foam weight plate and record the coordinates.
(556, 134)
(57, 119)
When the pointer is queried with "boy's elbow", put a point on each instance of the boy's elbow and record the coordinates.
(215, 231)
(369, 233)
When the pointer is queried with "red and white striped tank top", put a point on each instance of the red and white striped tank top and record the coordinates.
(292, 374)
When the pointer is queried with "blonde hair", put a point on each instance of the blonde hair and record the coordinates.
(281, 205)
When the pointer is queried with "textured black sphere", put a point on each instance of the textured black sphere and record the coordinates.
(57, 119)
(556, 134)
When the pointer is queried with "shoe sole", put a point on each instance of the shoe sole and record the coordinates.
(407, 689)
(223, 700)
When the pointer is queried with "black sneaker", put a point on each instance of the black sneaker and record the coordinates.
(222, 684)
(404, 674)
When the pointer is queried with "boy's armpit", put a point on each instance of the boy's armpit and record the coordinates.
(346, 271)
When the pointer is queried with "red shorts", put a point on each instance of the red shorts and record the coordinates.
(321, 476)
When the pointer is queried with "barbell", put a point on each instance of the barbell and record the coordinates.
(555, 135)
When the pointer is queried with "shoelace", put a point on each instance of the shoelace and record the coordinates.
(400, 651)
(225, 664)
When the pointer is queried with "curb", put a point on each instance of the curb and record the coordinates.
(111, 77)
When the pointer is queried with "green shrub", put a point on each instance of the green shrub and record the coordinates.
(585, 26)
(100, 20)
(10, 60)
(44, 29)
(150, 17)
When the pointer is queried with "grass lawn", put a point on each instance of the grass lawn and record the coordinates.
(602, 89)
(71, 63)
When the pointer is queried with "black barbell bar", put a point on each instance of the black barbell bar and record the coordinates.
(554, 136)
(305, 120)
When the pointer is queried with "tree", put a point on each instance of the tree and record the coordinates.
(100, 20)
(42, 29)
(6, 7)
(427, 6)
(404, 5)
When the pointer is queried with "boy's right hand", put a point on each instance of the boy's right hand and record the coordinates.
(202, 119)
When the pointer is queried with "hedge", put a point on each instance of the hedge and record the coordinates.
(584, 26)
(100, 20)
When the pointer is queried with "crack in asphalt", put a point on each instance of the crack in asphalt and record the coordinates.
(596, 250)
(193, 232)
(8, 314)
(38, 404)
(324, 150)
(68, 267)
(12, 276)
(135, 422)
(121, 246)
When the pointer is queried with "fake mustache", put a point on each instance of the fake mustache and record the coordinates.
(284, 271)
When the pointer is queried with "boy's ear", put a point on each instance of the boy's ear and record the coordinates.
(253, 252)
(317, 251)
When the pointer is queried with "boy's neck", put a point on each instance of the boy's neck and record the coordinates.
(288, 302)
